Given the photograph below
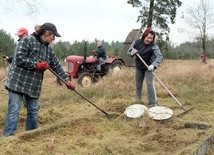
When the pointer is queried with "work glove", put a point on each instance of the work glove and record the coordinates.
(133, 51)
(151, 68)
(70, 85)
(42, 65)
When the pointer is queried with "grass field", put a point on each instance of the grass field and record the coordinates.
(70, 125)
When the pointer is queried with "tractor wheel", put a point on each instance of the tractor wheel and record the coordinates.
(116, 66)
(85, 79)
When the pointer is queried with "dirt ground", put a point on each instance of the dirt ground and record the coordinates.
(69, 124)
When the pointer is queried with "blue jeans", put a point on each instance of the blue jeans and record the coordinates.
(14, 106)
(139, 78)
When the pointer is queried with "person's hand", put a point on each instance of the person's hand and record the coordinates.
(94, 52)
(42, 65)
(151, 68)
(133, 51)
(70, 85)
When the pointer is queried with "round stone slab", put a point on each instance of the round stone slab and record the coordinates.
(160, 113)
(135, 110)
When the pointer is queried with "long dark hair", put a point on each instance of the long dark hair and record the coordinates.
(146, 32)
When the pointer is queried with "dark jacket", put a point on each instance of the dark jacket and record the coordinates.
(149, 53)
(101, 52)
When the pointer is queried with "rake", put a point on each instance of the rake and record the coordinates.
(184, 109)
(109, 115)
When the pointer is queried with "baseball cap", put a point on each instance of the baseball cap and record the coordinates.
(51, 27)
(22, 31)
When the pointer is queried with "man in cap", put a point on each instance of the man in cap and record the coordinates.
(21, 33)
(33, 56)
(100, 53)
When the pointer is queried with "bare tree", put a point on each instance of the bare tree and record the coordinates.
(201, 21)
(32, 6)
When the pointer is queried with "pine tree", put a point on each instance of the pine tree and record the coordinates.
(157, 14)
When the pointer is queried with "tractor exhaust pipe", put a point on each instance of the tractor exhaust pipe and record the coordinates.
(85, 51)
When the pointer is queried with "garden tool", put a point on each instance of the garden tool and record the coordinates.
(185, 110)
(109, 115)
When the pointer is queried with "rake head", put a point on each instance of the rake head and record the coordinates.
(185, 111)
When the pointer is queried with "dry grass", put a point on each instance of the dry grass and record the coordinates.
(70, 125)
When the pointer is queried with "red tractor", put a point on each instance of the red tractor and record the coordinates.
(84, 69)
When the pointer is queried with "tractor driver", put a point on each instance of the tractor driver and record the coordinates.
(101, 55)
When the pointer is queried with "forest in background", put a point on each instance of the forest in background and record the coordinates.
(184, 51)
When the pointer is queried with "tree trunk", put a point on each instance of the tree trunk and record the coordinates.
(204, 45)
(151, 6)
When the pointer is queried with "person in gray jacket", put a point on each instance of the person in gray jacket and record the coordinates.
(151, 54)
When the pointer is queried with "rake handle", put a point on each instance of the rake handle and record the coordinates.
(3, 80)
(52, 71)
(162, 83)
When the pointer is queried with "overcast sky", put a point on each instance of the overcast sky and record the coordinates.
(109, 20)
